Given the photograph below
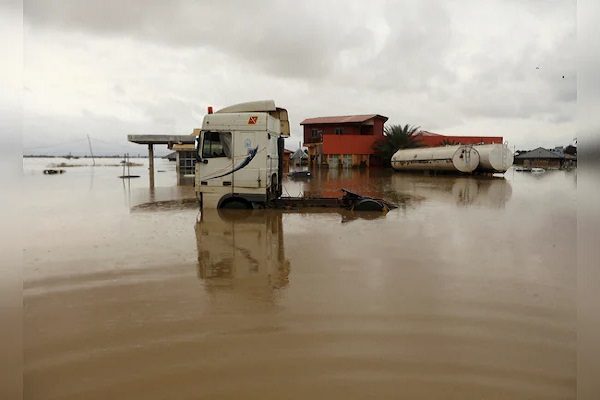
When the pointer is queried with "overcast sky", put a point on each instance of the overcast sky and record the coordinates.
(111, 68)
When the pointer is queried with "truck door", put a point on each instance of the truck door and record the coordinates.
(216, 161)
(249, 170)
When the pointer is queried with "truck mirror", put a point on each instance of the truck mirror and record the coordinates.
(197, 149)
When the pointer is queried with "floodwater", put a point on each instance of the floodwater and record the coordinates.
(466, 291)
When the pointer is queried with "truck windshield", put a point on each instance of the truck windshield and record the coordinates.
(216, 144)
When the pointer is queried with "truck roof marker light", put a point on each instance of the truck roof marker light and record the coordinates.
(210, 109)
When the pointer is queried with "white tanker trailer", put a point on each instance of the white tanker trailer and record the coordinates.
(461, 158)
(487, 158)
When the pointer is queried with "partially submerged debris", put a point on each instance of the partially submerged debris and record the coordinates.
(299, 175)
(127, 163)
(350, 201)
(53, 171)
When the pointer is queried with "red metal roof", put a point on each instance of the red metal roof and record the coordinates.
(425, 133)
(345, 119)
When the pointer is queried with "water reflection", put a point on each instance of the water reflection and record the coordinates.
(435, 305)
(490, 192)
(241, 247)
(161, 198)
(405, 189)
(329, 182)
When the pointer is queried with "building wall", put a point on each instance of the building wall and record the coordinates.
(329, 129)
(352, 148)
(345, 160)
(373, 127)
(433, 141)
(541, 162)
(286, 163)
(378, 128)
(342, 144)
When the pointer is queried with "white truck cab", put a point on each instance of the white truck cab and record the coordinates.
(239, 155)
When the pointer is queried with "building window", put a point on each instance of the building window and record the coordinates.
(187, 162)
(314, 133)
(339, 131)
(366, 130)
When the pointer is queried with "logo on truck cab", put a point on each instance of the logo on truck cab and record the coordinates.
(252, 120)
(249, 157)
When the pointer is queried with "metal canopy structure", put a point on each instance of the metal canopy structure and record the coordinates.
(151, 140)
(162, 139)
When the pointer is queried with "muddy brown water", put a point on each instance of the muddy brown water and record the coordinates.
(466, 291)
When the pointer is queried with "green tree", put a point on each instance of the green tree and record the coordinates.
(395, 137)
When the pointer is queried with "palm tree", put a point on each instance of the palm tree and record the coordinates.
(447, 142)
(396, 137)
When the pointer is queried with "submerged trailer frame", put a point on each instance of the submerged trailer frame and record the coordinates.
(350, 201)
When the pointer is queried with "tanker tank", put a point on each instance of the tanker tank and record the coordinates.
(494, 157)
(461, 158)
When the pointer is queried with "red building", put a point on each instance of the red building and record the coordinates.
(287, 154)
(343, 141)
(430, 139)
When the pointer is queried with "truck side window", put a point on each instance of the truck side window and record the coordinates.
(216, 144)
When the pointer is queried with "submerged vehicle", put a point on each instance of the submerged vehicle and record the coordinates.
(448, 158)
(239, 162)
(523, 169)
(465, 159)
(299, 175)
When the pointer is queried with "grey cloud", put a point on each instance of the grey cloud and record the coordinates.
(12, 6)
(298, 42)
(44, 134)
(166, 113)
(567, 91)
(512, 86)
(118, 89)
(403, 59)
(412, 58)
(561, 118)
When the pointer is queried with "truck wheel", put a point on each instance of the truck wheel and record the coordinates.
(235, 204)
(368, 205)
(274, 186)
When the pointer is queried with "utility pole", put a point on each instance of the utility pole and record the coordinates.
(91, 152)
